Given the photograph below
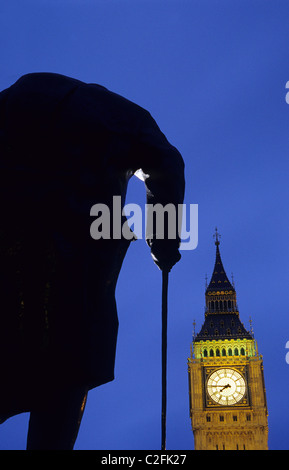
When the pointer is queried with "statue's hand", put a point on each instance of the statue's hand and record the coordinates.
(165, 253)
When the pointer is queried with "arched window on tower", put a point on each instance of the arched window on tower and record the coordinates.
(236, 352)
(211, 353)
(205, 353)
(242, 352)
(223, 352)
(230, 352)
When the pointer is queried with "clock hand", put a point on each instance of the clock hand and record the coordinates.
(225, 386)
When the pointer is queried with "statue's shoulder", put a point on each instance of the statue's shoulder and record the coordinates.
(47, 77)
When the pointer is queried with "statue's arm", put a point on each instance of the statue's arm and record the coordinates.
(163, 170)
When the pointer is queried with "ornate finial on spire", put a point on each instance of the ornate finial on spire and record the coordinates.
(251, 327)
(217, 236)
(206, 281)
(194, 330)
(233, 282)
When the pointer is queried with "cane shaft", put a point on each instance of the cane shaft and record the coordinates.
(164, 355)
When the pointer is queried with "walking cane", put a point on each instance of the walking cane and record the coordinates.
(165, 276)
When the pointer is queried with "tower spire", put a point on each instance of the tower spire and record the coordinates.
(221, 303)
(219, 280)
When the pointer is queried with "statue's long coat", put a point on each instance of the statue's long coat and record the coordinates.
(65, 146)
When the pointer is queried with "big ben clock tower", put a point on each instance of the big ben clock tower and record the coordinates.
(226, 383)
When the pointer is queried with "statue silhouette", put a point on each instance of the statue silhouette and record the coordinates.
(65, 146)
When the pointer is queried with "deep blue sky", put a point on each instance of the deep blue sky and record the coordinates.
(213, 75)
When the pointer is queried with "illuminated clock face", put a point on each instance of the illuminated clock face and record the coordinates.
(226, 386)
